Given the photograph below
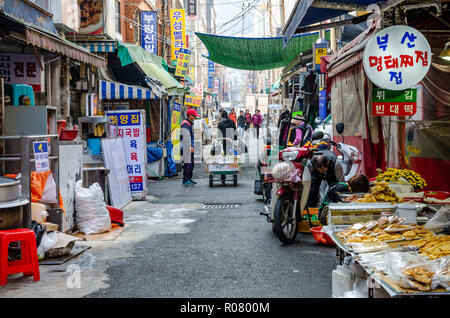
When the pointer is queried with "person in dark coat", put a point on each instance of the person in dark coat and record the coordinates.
(227, 129)
(187, 146)
(241, 122)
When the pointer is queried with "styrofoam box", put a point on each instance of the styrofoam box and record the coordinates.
(341, 281)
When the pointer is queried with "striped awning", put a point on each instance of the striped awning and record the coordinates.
(64, 47)
(114, 90)
(99, 47)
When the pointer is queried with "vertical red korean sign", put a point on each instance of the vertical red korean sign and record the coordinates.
(396, 59)
(130, 126)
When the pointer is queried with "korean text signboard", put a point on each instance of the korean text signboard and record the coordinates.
(21, 69)
(175, 120)
(183, 62)
(216, 86)
(198, 90)
(177, 31)
(397, 58)
(191, 6)
(41, 156)
(129, 125)
(192, 101)
(394, 103)
(210, 74)
(319, 50)
(149, 31)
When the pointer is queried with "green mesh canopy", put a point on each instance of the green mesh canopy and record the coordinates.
(256, 54)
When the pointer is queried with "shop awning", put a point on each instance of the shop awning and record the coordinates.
(255, 54)
(307, 12)
(114, 90)
(99, 46)
(54, 44)
(150, 64)
(170, 84)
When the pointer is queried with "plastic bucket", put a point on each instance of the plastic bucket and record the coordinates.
(321, 237)
(94, 145)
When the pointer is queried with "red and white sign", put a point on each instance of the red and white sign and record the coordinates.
(21, 69)
(397, 58)
(198, 90)
(391, 109)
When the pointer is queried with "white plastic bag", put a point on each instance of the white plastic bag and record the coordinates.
(91, 214)
(443, 271)
(49, 195)
(47, 242)
(440, 221)
(402, 262)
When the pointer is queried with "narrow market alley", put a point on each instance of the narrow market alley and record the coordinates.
(176, 245)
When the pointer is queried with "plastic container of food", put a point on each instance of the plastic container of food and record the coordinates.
(440, 195)
(321, 237)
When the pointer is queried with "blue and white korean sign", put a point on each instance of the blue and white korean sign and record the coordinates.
(149, 30)
(130, 126)
(210, 74)
(41, 156)
(397, 58)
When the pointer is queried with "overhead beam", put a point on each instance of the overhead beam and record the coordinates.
(321, 4)
(355, 20)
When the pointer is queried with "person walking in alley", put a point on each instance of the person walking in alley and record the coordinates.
(248, 119)
(227, 129)
(242, 123)
(233, 115)
(256, 121)
(187, 146)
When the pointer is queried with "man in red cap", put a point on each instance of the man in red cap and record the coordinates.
(187, 146)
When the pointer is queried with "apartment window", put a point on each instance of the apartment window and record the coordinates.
(43, 4)
(118, 17)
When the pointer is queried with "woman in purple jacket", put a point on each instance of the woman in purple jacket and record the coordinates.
(256, 121)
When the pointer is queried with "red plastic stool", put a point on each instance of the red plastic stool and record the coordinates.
(28, 264)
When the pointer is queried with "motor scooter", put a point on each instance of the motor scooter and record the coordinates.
(292, 182)
(261, 186)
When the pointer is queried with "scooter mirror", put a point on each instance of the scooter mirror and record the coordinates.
(317, 120)
(340, 128)
(317, 135)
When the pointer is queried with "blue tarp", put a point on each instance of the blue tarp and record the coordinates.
(171, 168)
(153, 153)
(305, 15)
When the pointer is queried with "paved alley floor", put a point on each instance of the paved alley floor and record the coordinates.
(173, 246)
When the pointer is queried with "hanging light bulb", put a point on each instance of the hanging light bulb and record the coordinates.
(445, 54)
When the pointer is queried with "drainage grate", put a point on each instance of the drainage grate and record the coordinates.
(221, 205)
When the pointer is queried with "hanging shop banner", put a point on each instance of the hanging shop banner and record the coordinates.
(41, 156)
(191, 72)
(191, 6)
(192, 101)
(184, 57)
(149, 31)
(394, 103)
(319, 49)
(322, 103)
(130, 126)
(21, 69)
(210, 74)
(175, 136)
(198, 90)
(92, 16)
(177, 31)
(397, 58)
(216, 86)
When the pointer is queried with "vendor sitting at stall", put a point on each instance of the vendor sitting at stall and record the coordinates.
(357, 183)
(300, 132)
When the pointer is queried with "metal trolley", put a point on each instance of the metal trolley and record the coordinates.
(224, 165)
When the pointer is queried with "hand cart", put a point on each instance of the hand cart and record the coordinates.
(223, 165)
